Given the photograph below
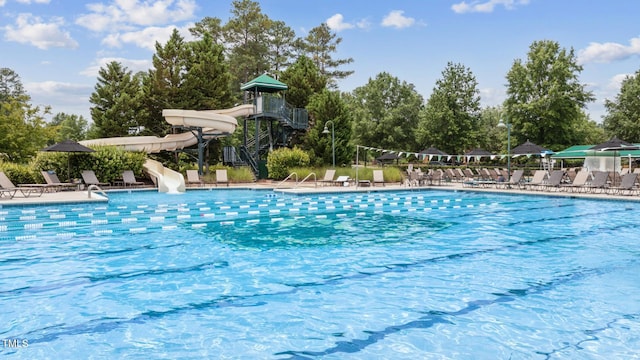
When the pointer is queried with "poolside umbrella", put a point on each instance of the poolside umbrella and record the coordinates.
(388, 157)
(433, 151)
(68, 146)
(529, 148)
(614, 144)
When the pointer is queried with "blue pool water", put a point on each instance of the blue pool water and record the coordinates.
(242, 274)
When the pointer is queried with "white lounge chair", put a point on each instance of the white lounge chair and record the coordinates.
(129, 179)
(193, 178)
(378, 177)
(221, 177)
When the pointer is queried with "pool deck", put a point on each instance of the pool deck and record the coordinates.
(82, 196)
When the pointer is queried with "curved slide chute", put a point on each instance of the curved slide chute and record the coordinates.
(214, 123)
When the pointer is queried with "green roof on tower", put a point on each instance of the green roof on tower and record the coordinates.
(264, 83)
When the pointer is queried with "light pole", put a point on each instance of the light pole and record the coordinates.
(333, 140)
(501, 124)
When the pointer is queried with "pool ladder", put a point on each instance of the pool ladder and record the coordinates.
(295, 175)
(97, 189)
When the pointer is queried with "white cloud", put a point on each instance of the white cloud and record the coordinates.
(132, 65)
(51, 88)
(608, 52)
(2, 2)
(397, 19)
(486, 6)
(128, 14)
(33, 30)
(336, 22)
(147, 37)
(28, 2)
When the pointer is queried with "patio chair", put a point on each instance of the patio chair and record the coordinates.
(579, 181)
(555, 180)
(89, 177)
(538, 180)
(378, 177)
(54, 182)
(628, 185)
(9, 189)
(193, 178)
(221, 177)
(342, 180)
(599, 183)
(328, 177)
(515, 180)
(129, 179)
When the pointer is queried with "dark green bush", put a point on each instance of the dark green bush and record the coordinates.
(281, 161)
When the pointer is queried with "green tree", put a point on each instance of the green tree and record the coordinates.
(116, 100)
(207, 81)
(324, 107)
(303, 79)
(386, 112)
(162, 85)
(22, 128)
(281, 40)
(246, 36)
(544, 97)
(319, 45)
(67, 126)
(623, 113)
(451, 118)
(211, 26)
(10, 85)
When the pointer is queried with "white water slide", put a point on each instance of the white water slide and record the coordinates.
(213, 123)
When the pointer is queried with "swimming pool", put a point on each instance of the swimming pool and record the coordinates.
(253, 275)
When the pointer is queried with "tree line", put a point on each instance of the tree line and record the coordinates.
(545, 102)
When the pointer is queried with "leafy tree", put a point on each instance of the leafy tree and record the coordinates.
(320, 44)
(161, 86)
(544, 97)
(303, 79)
(281, 40)
(22, 128)
(10, 85)
(386, 113)
(211, 26)
(246, 36)
(451, 118)
(207, 81)
(324, 107)
(67, 126)
(623, 113)
(116, 101)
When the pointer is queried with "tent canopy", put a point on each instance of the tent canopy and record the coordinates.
(264, 83)
(583, 151)
(529, 148)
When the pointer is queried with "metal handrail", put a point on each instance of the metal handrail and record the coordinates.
(315, 180)
(97, 189)
(287, 178)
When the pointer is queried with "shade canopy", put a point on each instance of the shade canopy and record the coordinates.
(529, 148)
(478, 152)
(433, 151)
(388, 157)
(614, 144)
(68, 146)
(264, 83)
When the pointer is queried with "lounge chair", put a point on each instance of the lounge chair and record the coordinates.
(221, 177)
(89, 177)
(9, 189)
(342, 180)
(129, 179)
(378, 177)
(54, 182)
(555, 180)
(628, 185)
(328, 177)
(599, 183)
(193, 178)
(515, 180)
(579, 181)
(538, 179)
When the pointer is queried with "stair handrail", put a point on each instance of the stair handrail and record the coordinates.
(287, 178)
(315, 180)
(96, 188)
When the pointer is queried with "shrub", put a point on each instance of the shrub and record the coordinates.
(281, 161)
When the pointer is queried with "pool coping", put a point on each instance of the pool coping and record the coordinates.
(82, 196)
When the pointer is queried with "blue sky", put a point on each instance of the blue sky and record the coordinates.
(57, 46)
